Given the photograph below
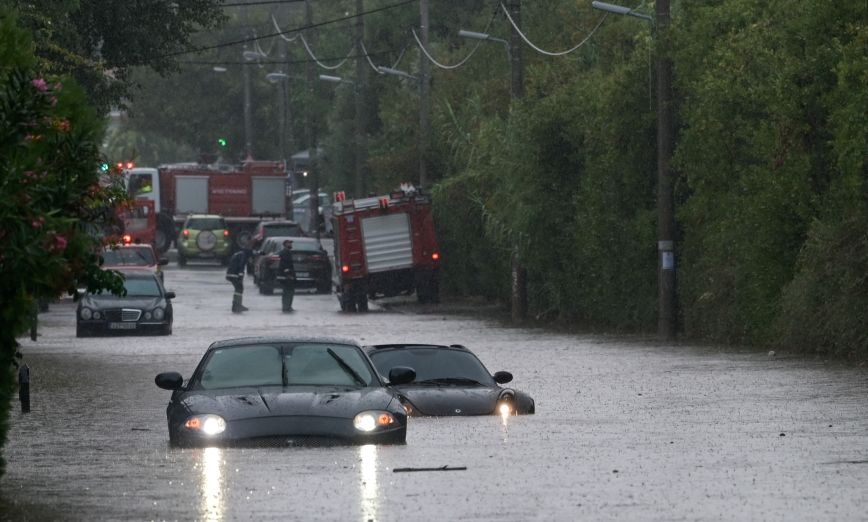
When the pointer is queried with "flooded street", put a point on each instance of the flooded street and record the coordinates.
(623, 430)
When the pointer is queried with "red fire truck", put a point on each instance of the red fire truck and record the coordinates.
(139, 221)
(243, 194)
(384, 246)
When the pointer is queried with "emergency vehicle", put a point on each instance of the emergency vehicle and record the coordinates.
(384, 246)
(242, 194)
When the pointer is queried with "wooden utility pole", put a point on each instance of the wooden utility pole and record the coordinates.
(424, 95)
(310, 124)
(666, 320)
(516, 67)
(359, 99)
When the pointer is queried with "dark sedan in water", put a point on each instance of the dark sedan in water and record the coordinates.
(145, 309)
(282, 391)
(450, 380)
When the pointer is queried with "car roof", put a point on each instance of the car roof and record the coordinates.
(205, 216)
(278, 222)
(129, 245)
(374, 348)
(241, 341)
(301, 241)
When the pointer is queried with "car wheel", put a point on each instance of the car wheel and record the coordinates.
(347, 303)
(182, 259)
(362, 303)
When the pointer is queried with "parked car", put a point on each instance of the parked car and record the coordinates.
(266, 229)
(310, 260)
(301, 211)
(204, 236)
(450, 380)
(284, 390)
(145, 309)
(133, 257)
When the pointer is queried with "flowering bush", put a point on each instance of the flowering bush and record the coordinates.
(54, 203)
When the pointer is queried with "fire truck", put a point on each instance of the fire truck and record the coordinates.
(243, 194)
(139, 221)
(384, 246)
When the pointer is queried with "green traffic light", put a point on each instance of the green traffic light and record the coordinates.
(104, 167)
(222, 142)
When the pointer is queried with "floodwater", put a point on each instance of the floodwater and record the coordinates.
(624, 430)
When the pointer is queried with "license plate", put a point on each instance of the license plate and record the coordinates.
(302, 274)
(122, 326)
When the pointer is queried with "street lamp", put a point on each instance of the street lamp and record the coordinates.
(485, 36)
(334, 79)
(621, 10)
(665, 207)
(396, 72)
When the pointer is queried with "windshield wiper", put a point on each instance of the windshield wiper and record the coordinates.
(450, 380)
(346, 367)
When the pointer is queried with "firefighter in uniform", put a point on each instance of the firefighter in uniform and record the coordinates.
(235, 275)
(286, 275)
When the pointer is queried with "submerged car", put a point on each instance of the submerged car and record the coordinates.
(145, 309)
(309, 259)
(450, 380)
(286, 390)
(130, 257)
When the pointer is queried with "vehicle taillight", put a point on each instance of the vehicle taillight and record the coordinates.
(186, 232)
(345, 268)
(225, 233)
(128, 239)
(435, 256)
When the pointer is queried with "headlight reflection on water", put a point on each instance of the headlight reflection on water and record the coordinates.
(369, 494)
(212, 507)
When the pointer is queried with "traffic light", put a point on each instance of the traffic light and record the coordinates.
(222, 142)
(104, 167)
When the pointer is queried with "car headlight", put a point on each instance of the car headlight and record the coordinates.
(86, 313)
(97, 315)
(368, 421)
(159, 313)
(208, 424)
(147, 316)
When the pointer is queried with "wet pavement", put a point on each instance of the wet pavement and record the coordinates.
(624, 430)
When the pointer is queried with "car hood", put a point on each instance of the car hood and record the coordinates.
(451, 400)
(325, 401)
(113, 301)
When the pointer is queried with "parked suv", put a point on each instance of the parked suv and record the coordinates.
(272, 228)
(310, 260)
(204, 236)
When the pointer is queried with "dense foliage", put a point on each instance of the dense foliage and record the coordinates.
(53, 203)
(770, 154)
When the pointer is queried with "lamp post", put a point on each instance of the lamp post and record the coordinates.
(665, 211)
(248, 127)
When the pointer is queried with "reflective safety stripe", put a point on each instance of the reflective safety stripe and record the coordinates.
(239, 294)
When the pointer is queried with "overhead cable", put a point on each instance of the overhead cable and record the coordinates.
(548, 53)
(368, 56)
(462, 62)
(311, 26)
(280, 31)
(324, 66)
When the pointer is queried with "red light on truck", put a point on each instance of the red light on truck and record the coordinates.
(435, 256)
(128, 239)
(225, 233)
(384, 203)
(345, 268)
(186, 232)
(340, 196)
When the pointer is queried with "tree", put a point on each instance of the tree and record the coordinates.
(53, 202)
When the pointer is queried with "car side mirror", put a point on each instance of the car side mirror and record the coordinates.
(171, 295)
(164, 261)
(169, 381)
(502, 377)
(401, 375)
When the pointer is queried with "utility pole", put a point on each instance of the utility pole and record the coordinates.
(248, 127)
(665, 210)
(313, 169)
(359, 98)
(424, 95)
(516, 66)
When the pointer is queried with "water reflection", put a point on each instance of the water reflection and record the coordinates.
(504, 423)
(212, 507)
(369, 494)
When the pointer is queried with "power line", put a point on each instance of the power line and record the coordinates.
(261, 2)
(462, 62)
(242, 62)
(302, 28)
(549, 53)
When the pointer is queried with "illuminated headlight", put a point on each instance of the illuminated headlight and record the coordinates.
(504, 408)
(159, 314)
(207, 424)
(86, 313)
(371, 420)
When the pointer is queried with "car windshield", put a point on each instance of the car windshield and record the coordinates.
(317, 364)
(206, 224)
(288, 229)
(142, 287)
(432, 364)
(129, 256)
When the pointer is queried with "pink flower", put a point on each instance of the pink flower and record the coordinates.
(40, 84)
(60, 243)
(38, 222)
